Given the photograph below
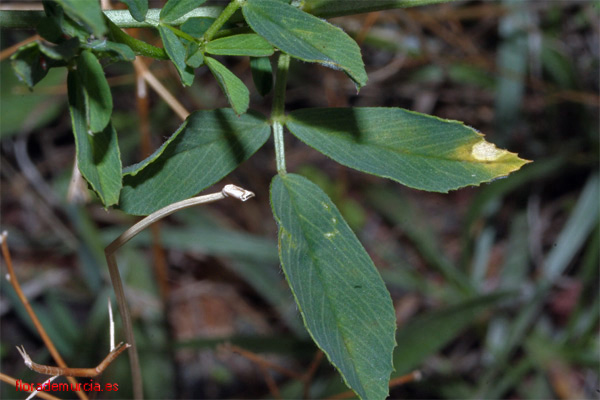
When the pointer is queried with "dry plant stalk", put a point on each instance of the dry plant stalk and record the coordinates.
(79, 372)
(36, 322)
(115, 276)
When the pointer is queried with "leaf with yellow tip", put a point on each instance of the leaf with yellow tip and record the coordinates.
(417, 150)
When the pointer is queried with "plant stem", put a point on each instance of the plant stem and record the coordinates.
(180, 33)
(221, 19)
(278, 110)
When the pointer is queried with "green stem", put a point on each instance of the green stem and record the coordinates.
(180, 33)
(278, 110)
(223, 17)
(139, 47)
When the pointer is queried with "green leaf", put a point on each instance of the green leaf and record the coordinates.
(196, 26)
(248, 44)
(195, 56)
(305, 37)
(25, 110)
(262, 74)
(98, 99)
(176, 51)
(86, 12)
(28, 64)
(64, 51)
(116, 51)
(98, 155)
(417, 150)
(137, 9)
(56, 23)
(178, 8)
(207, 147)
(237, 93)
(343, 300)
(337, 8)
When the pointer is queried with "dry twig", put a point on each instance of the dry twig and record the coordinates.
(45, 338)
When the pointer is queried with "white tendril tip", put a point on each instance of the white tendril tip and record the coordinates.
(237, 192)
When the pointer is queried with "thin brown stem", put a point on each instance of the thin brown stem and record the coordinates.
(36, 322)
(12, 381)
(79, 372)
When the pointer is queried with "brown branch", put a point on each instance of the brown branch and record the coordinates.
(12, 381)
(79, 372)
(45, 338)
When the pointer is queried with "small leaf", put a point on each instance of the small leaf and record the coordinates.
(195, 56)
(116, 51)
(28, 64)
(207, 147)
(237, 93)
(98, 99)
(197, 26)
(178, 8)
(64, 51)
(33, 110)
(305, 37)
(176, 50)
(86, 12)
(248, 44)
(56, 23)
(417, 150)
(343, 300)
(137, 9)
(98, 155)
(262, 74)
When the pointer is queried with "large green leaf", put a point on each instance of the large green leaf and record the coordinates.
(98, 99)
(208, 146)
(417, 150)
(86, 12)
(237, 93)
(343, 300)
(178, 8)
(305, 37)
(177, 52)
(247, 44)
(137, 9)
(337, 8)
(98, 155)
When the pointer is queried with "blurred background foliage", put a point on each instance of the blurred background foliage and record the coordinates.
(495, 287)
